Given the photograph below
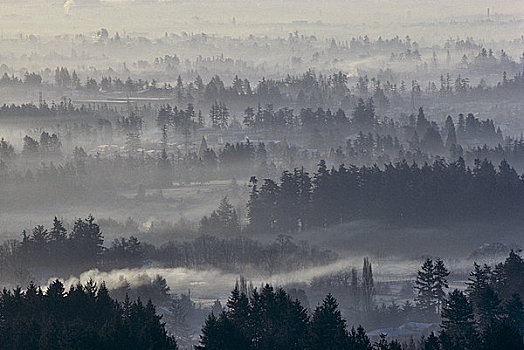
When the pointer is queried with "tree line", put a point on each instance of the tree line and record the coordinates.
(271, 319)
(55, 251)
(83, 317)
(400, 192)
(488, 315)
(282, 255)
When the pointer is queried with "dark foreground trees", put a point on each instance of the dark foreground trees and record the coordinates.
(270, 319)
(85, 317)
(489, 314)
(463, 328)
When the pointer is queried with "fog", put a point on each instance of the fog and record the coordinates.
(176, 150)
(265, 17)
(211, 284)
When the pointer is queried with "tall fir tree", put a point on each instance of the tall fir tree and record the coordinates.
(458, 323)
(328, 328)
(440, 283)
(424, 285)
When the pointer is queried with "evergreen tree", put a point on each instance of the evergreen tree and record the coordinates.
(364, 114)
(288, 218)
(440, 283)
(501, 335)
(212, 336)
(479, 291)
(164, 170)
(423, 124)
(458, 323)
(223, 120)
(424, 285)
(432, 141)
(214, 115)
(58, 232)
(358, 340)
(514, 312)
(487, 308)
(84, 318)
(86, 242)
(327, 328)
(239, 309)
(321, 196)
(368, 287)
(382, 343)
(511, 276)
(431, 342)
(249, 117)
(223, 221)
(451, 138)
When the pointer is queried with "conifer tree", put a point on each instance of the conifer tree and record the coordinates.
(358, 339)
(501, 335)
(487, 308)
(514, 311)
(458, 322)
(238, 306)
(328, 328)
(58, 232)
(424, 284)
(451, 138)
(440, 283)
(431, 342)
(368, 287)
(211, 337)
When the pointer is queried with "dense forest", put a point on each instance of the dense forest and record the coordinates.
(399, 192)
(488, 314)
(83, 317)
(353, 170)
